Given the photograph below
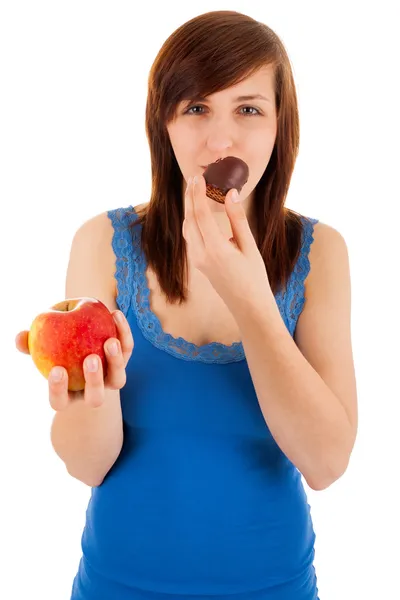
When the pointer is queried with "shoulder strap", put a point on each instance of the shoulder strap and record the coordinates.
(294, 297)
(126, 246)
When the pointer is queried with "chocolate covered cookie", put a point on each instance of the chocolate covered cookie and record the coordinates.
(223, 175)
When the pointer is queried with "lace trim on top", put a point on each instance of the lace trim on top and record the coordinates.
(133, 289)
(294, 297)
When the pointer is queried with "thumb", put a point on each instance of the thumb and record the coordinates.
(238, 219)
(21, 342)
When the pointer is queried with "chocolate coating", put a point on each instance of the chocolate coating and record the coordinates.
(227, 173)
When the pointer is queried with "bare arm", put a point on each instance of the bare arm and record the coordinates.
(87, 433)
(88, 440)
(307, 392)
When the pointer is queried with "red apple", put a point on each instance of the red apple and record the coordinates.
(66, 333)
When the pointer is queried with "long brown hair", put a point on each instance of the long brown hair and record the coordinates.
(207, 54)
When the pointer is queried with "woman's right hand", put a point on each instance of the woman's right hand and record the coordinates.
(95, 384)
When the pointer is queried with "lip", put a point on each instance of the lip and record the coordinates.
(211, 163)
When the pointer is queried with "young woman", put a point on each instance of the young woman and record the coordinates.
(232, 375)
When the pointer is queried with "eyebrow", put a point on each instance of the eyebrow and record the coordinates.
(238, 99)
(251, 97)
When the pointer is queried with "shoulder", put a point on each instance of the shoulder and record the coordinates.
(95, 236)
(102, 231)
(96, 230)
(327, 287)
(90, 264)
(96, 247)
(325, 237)
(100, 240)
(121, 218)
(328, 256)
(320, 273)
(319, 238)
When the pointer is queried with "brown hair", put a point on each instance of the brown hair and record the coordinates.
(207, 54)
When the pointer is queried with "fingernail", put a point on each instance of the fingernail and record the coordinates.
(118, 316)
(92, 365)
(112, 349)
(235, 196)
(190, 181)
(56, 374)
(195, 179)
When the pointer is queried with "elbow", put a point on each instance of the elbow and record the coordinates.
(325, 474)
(320, 484)
(95, 483)
(89, 481)
(325, 479)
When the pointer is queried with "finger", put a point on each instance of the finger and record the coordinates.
(206, 223)
(191, 231)
(124, 335)
(188, 202)
(58, 388)
(94, 383)
(116, 375)
(242, 234)
(194, 242)
(21, 342)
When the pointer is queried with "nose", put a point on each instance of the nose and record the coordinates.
(219, 138)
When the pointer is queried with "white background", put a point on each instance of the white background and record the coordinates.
(74, 82)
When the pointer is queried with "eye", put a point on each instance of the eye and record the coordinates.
(248, 114)
(191, 108)
(257, 112)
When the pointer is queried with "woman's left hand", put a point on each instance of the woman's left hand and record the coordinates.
(235, 267)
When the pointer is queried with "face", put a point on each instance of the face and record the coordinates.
(224, 125)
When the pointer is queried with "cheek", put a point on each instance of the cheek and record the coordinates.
(258, 162)
(184, 141)
(259, 152)
(262, 141)
(184, 147)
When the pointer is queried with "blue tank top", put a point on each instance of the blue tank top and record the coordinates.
(201, 501)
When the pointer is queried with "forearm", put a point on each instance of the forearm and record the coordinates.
(306, 419)
(89, 440)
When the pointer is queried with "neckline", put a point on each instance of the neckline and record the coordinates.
(150, 324)
(133, 292)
